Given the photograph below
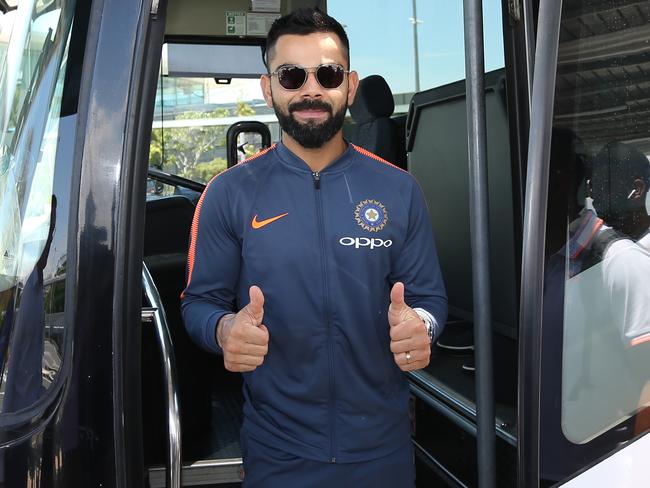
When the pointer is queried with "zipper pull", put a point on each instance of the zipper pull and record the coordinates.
(316, 176)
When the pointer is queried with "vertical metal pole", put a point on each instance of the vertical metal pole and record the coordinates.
(479, 215)
(415, 47)
(529, 33)
(532, 265)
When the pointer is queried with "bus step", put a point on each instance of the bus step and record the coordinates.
(201, 473)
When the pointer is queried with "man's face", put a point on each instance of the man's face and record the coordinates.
(311, 115)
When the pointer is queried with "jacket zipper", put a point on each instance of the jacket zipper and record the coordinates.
(319, 212)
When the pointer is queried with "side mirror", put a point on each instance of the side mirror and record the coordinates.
(245, 139)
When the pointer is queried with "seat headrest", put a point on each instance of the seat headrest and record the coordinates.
(374, 100)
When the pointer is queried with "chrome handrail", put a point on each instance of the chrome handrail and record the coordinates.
(157, 314)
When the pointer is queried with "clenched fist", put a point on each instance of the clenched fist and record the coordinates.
(243, 337)
(409, 341)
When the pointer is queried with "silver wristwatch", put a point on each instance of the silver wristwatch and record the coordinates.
(428, 323)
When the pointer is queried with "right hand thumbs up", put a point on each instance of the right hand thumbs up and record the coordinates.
(255, 307)
(243, 337)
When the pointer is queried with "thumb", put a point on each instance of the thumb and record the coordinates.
(256, 304)
(397, 297)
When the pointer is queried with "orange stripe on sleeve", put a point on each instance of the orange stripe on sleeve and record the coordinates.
(640, 340)
(194, 230)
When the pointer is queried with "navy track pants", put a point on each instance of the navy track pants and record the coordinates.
(267, 467)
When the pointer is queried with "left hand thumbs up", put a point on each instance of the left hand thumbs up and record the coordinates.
(399, 311)
(409, 339)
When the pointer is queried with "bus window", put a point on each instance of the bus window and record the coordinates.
(37, 124)
(595, 380)
(192, 114)
(387, 48)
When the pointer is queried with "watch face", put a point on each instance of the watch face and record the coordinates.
(429, 327)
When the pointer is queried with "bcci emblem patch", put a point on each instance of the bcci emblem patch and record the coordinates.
(371, 215)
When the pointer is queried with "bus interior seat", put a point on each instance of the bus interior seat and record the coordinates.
(436, 145)
(168, 222)
(376, 131)
(166, 238)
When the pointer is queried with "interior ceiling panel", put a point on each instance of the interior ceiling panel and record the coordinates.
(601, 46)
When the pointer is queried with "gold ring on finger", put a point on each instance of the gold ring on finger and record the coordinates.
(408, 357)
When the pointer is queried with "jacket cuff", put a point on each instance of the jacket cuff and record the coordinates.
(210, 331)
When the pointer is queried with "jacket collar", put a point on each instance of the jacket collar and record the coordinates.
(582, 231)
(290, 159)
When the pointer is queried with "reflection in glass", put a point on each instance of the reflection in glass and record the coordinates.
(32, 251)
(596, 324)
(607, 304)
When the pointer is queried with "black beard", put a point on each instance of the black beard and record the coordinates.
(311, 135)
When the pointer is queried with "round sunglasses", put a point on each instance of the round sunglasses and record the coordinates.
(292, 77)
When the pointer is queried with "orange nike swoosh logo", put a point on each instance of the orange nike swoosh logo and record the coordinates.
(258, 224)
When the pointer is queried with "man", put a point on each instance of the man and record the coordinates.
(621, 181)
(312, 269)
(596, 308)
(565, 257)
(621, 175)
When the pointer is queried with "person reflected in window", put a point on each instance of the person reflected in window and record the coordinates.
(621, 183)
(23, 384)
(566, 216)
(24, 381)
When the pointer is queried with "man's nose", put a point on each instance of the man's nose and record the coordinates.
(312, 87)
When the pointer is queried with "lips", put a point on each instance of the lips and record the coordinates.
(311, 114)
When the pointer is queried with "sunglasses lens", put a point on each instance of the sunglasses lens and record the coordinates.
(291, 78)
(330, 76)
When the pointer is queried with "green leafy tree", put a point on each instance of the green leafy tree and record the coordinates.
(205, 171)
(244, 109)
(211, 114)
(194, 152)
(155, 149)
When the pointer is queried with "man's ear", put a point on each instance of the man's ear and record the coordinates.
(353, 85)
(265, 83)
(638, 189)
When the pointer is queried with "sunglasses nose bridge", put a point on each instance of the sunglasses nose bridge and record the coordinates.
(311, 79)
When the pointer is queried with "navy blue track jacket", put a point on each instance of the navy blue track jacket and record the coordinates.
(325, 248)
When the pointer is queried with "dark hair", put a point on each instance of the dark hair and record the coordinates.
(303, 22)
(614, 168)
(623, 162)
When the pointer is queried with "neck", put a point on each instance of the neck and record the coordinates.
(632, 224)
(319, 158)
(641, 225)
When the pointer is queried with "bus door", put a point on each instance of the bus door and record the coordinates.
(72, 87)
(585, 328)
(208, 81)
(425, 69)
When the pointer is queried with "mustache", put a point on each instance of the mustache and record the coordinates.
(310, 105)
